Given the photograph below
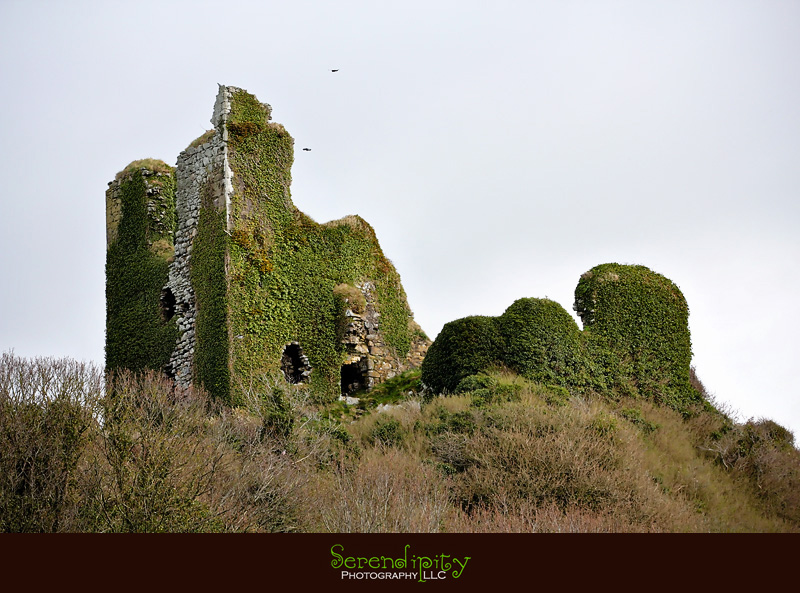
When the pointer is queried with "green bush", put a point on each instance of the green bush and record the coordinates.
(387, 432)
(464, 347)
(643, 319)
(542, 341)
(635, 342)
(475, 382)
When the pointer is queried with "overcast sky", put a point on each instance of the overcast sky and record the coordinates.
(499, 149)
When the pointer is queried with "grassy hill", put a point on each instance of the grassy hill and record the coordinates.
(503, 454)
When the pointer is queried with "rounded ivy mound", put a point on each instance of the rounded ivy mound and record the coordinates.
(635, 340)
(464, 347)
(643, 319)
(542, 341)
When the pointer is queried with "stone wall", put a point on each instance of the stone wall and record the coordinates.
(366, 347)
(203, 167)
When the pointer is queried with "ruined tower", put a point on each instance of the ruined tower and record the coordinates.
(215, 277)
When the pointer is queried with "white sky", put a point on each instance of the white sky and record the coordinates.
(499, 149)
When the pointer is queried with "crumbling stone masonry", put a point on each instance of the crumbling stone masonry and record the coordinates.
(248, 286)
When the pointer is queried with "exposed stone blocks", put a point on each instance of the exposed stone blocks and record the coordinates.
(365, 344)
(201, 169)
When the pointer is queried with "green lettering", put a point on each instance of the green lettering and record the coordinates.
(337, 559)
(457, 573)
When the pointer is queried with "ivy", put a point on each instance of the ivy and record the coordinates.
(542, 342)
(463, 348)
(640, 321)
(209, 283)
(284, 267)
(635, 340)
(138, 336)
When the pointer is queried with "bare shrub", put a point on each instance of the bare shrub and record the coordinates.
(259, 486)
(158, 457)
(180, 462)
(48, 417)
(762, 453)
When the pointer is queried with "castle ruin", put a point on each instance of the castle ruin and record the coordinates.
(216, 278)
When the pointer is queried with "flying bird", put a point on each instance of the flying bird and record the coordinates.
(307, 149)
(335, 70)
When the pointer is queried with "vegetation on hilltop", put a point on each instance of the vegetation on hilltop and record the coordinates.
(635, 341)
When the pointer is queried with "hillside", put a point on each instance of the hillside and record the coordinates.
(503, 454)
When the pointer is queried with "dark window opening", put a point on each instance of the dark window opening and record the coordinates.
(167, 302)
(354, 377)
(294, 364)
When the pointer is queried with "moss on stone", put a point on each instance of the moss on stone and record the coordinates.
(153, 165)
(203, 139)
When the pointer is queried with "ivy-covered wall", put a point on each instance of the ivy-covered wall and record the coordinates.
(212, 341)
(635, 340)
(637, 322)
(246, 273)
(140, 206)
(284, 267)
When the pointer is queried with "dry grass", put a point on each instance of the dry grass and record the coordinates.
(80, 454)
(352, 296)
(203, 139)
(389, 491)
(156, 165)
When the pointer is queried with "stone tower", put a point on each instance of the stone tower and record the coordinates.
(214, 276)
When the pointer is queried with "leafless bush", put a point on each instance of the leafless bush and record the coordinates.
(158, 458)
(762, 452)
(48, 416)
(260, 487)
(187, 464)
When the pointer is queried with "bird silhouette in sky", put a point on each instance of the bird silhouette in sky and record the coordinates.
(335, 70)
(307, 149)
